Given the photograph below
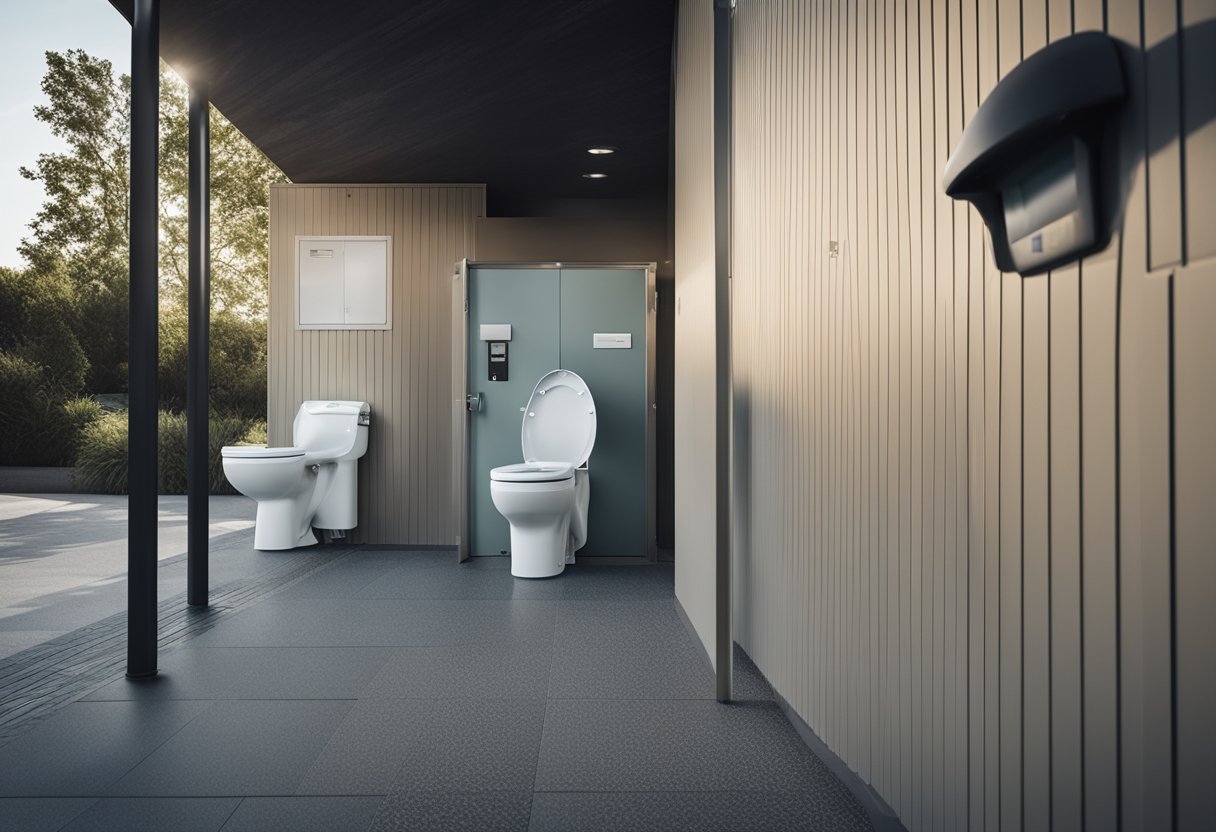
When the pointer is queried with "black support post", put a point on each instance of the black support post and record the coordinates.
(142, 344)
(199, 244)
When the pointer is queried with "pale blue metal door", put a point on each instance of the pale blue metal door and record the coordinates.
(529, 300)
(611, 302)
(555, 316)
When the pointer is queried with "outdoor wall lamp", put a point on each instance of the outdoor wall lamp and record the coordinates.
(1037, 159)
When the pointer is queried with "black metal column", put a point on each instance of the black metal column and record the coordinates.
(142, 345)
(199, 244)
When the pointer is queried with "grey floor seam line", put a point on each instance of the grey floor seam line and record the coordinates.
(42, 679)
(540, 743)
(228, 819)
(68, 822)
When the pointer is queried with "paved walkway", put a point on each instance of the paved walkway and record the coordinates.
(392, 690)
(63, 558)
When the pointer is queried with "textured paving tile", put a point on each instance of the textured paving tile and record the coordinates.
(621, 650)
(674, 745)
(40, 814)
(749, 682)
(460, 581)
(651, 618)
(381, 623)
(346, 582)
(395, 745)
(477, 744)
(693, 812)
(586, 581)
(238, 748)
(489, 671)
(256, 673)
(454, 812)
(37, 682)
(367, 751)
(303, 814)
(86, 746)
(399, 690)
(155, 814)
(628, 670)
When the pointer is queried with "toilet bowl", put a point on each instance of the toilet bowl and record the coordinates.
(310, 484)
(545, 498)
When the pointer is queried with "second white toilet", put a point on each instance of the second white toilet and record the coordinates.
(313, 483)
(545, 499)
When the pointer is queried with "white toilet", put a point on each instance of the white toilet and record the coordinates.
(545, 498)
(314, 483)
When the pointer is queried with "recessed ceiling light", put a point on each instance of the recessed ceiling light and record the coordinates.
(595, 176)
(601, 151)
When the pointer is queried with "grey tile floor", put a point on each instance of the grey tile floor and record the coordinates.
(400, 690)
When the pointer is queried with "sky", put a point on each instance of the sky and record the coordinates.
(28, 30)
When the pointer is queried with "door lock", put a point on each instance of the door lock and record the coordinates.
(473, 403)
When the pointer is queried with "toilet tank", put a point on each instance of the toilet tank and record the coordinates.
(334, 427)
(337, 431)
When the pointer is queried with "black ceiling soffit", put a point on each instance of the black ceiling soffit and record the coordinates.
(506, 93)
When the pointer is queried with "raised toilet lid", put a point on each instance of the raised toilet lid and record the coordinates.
(559, 421)
(258, 452)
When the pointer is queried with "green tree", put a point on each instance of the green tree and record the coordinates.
(79, 235)
(84, 217)
(241, 177)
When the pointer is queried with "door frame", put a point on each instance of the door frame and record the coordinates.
(460, 389)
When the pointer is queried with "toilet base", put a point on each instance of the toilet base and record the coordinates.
(539, 551)
(278, 525)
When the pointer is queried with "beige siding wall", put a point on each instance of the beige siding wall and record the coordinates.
(557, 239)
(693, 392)
(976, 513)
(405, 372)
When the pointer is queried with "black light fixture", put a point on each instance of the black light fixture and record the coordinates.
(601, 150)
(1037, 159)
(595, 176)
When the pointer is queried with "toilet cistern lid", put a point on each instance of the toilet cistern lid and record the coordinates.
(559, 421)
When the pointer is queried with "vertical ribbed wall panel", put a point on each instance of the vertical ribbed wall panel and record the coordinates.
(973, 512)
(405, 371)
(693, 393)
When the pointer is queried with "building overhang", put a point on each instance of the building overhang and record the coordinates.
(509, 94)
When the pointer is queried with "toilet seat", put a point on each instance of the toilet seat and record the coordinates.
(559, 421)
(259, 452)
(533, 472)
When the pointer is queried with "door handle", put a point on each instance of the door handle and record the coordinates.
(473, 402)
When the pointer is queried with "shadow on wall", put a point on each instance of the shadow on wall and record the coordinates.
(742, 508)
(1195, 112)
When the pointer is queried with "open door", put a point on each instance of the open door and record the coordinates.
(460, 407)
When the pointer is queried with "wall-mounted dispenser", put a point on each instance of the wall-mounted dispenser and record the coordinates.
(497, 338)
(1036, 159)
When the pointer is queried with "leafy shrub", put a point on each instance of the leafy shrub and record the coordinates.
(101, 461)
(38, 321)
(256, 435)
(101, 465)
(78, 414)
(237, 373)
(36, 428)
